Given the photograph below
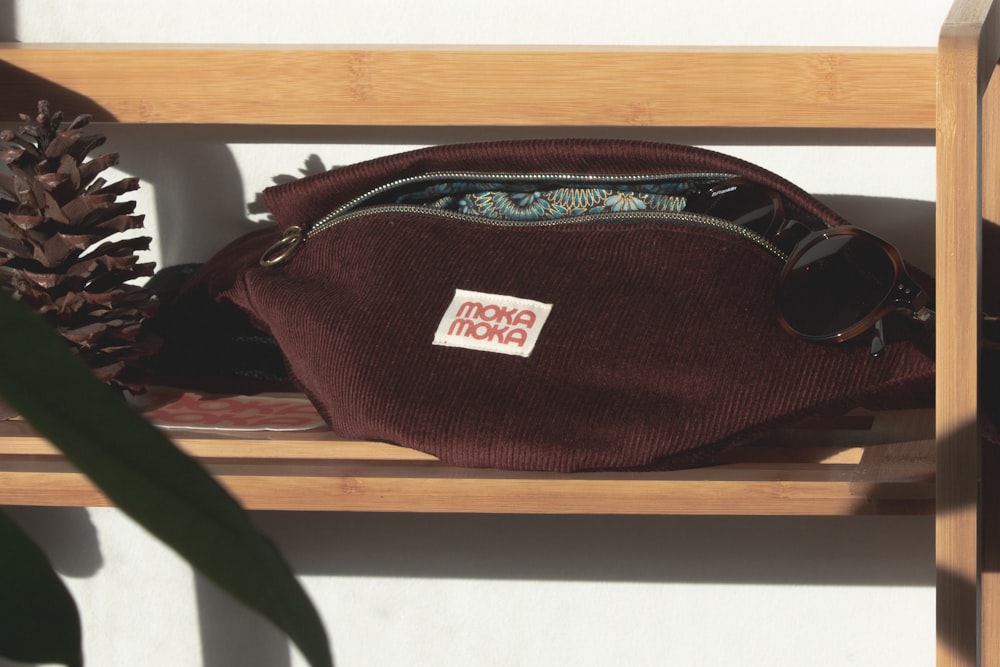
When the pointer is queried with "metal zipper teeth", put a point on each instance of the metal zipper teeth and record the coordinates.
(502, 177)
(696, 219)
(293, 236)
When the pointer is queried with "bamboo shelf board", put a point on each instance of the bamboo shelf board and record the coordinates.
(876, 465)
(430, 86)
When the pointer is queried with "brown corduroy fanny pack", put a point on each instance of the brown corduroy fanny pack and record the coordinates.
(548, 305)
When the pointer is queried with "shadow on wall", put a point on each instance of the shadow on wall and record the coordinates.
(233, 636)
(66, 535)
(8, 22)
(836, 551)
(199, 199)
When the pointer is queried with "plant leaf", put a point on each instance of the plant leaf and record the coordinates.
(38, 618)
(148, 478)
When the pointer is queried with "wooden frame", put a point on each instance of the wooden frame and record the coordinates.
(934, 462)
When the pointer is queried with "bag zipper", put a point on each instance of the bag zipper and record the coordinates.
(295, 235)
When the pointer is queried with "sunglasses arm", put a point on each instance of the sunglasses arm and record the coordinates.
(925, 315)
(919, 312)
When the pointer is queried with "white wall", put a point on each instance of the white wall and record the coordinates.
(454, 591)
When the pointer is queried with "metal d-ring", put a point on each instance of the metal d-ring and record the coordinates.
(284, 247)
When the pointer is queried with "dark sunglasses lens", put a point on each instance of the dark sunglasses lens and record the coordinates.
(834, 284)
(743, 205)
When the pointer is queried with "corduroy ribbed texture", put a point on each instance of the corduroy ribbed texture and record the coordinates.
(662, 346)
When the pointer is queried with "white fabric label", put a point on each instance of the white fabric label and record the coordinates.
(492, 323)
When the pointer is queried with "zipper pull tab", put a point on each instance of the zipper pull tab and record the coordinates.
(284, 247)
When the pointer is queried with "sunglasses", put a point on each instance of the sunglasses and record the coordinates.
(838, 283)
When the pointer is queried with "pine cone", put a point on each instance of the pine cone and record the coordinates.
(56, 215)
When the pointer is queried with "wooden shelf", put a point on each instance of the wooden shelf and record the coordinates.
(428, 86)
(881, 464)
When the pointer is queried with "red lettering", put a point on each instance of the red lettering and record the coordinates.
(489, 332)
(471, 309)
(499, 334)
(482, 331)
(517, 337)
(474, 310)
(525, 318)
(507, 315)
(490, 313)
(461, 327)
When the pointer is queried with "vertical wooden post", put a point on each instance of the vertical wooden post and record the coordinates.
(990, 495)
(968, 38)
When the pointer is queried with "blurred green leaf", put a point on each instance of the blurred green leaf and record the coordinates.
(38, 618)
(148, 478)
